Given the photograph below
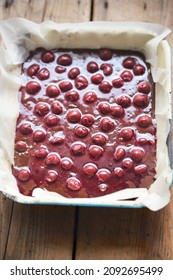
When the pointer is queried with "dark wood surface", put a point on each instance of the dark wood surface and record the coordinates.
(59, 232)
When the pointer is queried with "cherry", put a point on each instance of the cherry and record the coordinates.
(56, 140)
(81, 82)
(87, 120)
(144, 87)
(23, 175)
(20, 146)
(33, 87)
(32, 70)
(90, 169)
(129, 62)
(105, 54)
(25, 128)
(117, 111)
(56, 107)
(47, 56)
(140, 169)
(127, 134)
(118, 83)
(52, 159)
(43, 74)
(138, 69)
(52, 91)
(60, 69)
(39, 135)
(90, 97)
(140, 100)
(107, 124)
(119, 153)
(65, 86)
(64, 60)
(81, 131)
(41, 153)
(72, 96)
(137, 154)
(66, 163)
(124, 101)
(144, 121)
(51, 176)
(107, 69)
(73, 184)
(99, 139)
(95, 151)
(126, 75)
(104, 107)
(105, 87)
(128, 164)
(118, 173)
(92, 67)
(73, 115)
(41, 109)
(78, 148)
(73, 73)
(51, 120)
(96, 79)
(142, 141)
(103, 175)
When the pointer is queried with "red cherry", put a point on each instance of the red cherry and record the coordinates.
(137, 154)
(72, 96)
(52, 91)
(128, 164)
(81, 82)
(32, 70)
(96, 79)
(119, 153)
(47, 56)
(92, 67)
(117, 111)
(64, 60)
(78, 148)
(43, 74)
(104, 107)
(95, 151)
(144, 121)
(41, 153)
(90, 169)
(103, 175)
(52, 159)
(20, 146)
(129, 62)
(105, 54)
(25, 128)
(73, 73)
(60, 69)
(51, 120)
(90, 97)
(107, 124)
(56, 140)
(127, 76)
(66, 163)
(23, 175)
(118, 83)
(118, 173)
(33, 87)
(73, 184)
(124, 101)
(99, 139)
(81, 131)
(144, 87)
(51, 176)
(140, 169)
(65, 86)
(105, 87)
(138, 69)
(142, 141)
(127, 134)
(107, 69)
(39, 135)
(56, 107)
(140, 100)
(41, 109)
(73, 115)
(87, 120)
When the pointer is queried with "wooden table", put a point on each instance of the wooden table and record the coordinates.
(57, 232)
